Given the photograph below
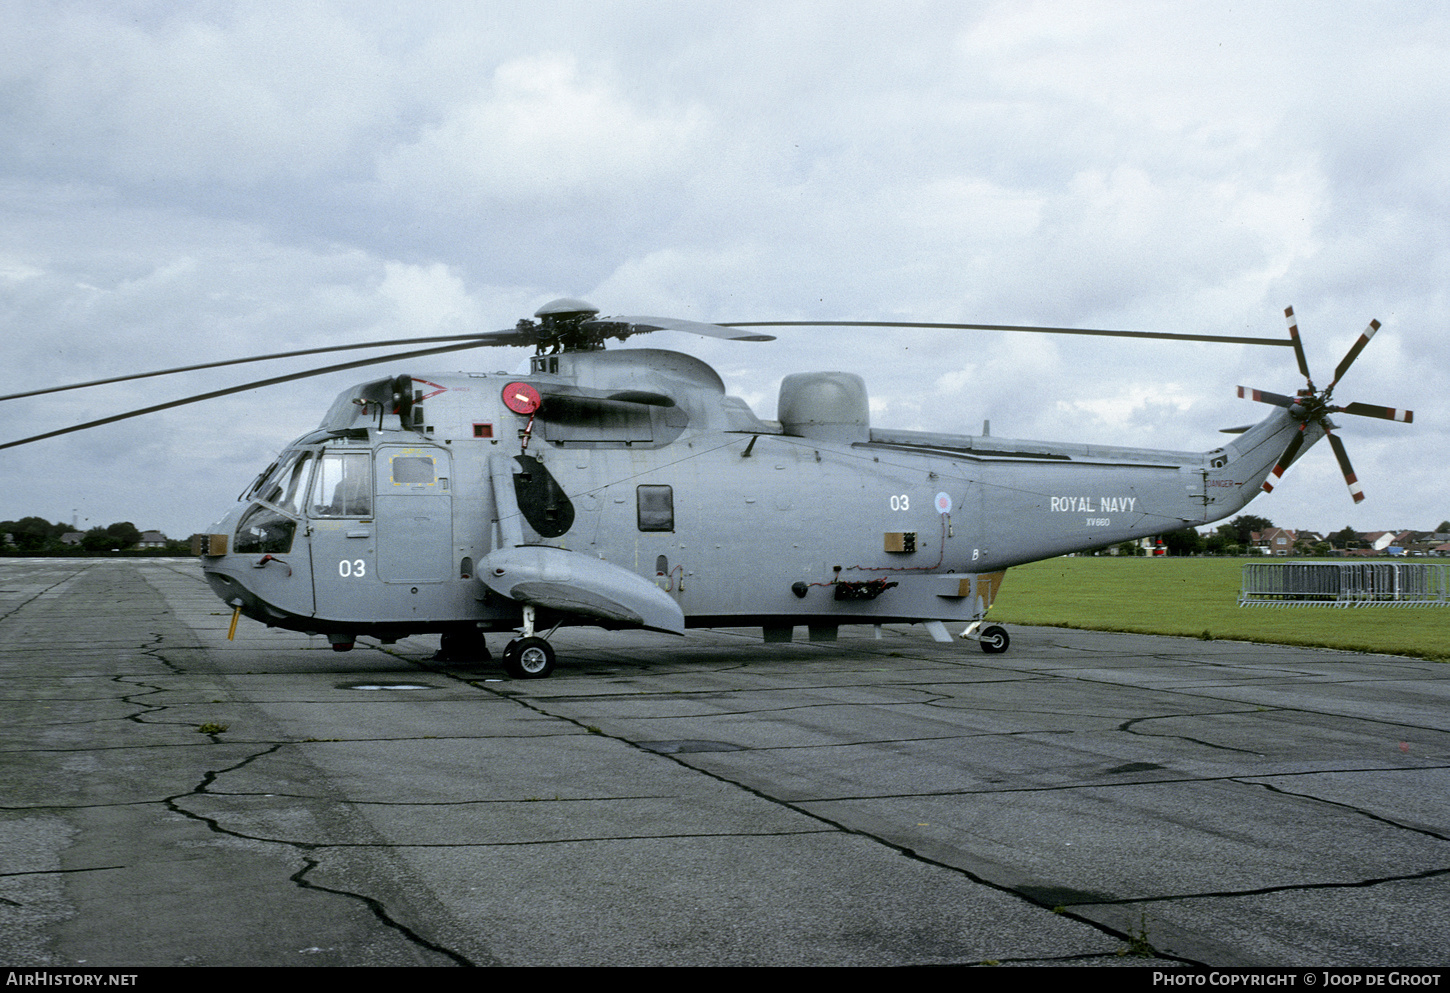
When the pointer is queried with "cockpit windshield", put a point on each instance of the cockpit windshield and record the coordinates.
(270, 524)
(284, 485)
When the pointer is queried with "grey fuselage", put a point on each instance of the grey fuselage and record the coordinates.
(646, 496)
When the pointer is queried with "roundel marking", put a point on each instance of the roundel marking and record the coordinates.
(943, 503)
(521, 398)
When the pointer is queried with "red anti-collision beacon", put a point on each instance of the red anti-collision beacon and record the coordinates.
(521, 398)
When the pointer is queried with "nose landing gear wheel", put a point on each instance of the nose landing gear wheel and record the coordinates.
(528, 658)
(995, 639)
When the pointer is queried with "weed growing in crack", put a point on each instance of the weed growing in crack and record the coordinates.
(1138, 945)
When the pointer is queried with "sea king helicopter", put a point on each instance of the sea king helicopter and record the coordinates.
(627, 489)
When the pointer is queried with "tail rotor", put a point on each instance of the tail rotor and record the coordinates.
(1312, 405)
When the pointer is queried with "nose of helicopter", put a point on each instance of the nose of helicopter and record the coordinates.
(243, 581)
(229, 578)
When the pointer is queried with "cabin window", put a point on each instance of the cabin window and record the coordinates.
(343, 486)
(656, 506)
(412, 470)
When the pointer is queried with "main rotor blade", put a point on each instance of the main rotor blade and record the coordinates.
(490, 338)
(694, 327)
(1229, 339)
(1352, 354)
(1285, 460)
(1385, 413)
(1264, 396)
(240, 389)
(1355, 490)
(1298, 345)
(564, 391)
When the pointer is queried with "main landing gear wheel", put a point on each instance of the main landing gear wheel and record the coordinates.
(995, 640)
(528, 658)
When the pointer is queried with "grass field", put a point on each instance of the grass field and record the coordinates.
(1198, 598)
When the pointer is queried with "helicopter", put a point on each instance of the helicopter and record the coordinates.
(628, 489)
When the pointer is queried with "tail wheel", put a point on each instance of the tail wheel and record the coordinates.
(994, 639)
(528, 658)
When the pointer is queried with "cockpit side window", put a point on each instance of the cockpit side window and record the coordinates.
(262, 529)
(343, 486)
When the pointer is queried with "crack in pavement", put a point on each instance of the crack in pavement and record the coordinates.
(547, 704)
(1124, 789)
(832, 825)
(139, 693)
(299, 878)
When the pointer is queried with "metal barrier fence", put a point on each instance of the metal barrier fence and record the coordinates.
(1345, 584)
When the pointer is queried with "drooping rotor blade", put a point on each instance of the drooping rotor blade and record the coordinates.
(693, 327)
(1371, 410)
(1352, 354)
(1264, 396)
(643, 397)
(1173, 336)
(491, 338)
(1285, 460)
(570, 392)
(1298, 345)
(1238, 430)
(1355, 490)
(241, 389)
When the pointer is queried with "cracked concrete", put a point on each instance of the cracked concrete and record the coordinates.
(707, 800)
(105, 692)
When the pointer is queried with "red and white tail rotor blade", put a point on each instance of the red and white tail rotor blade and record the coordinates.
(1355, 490)
(1285, 460)
(1352, 354)
(1298, 345)
(1384, 413)
(1264, 396)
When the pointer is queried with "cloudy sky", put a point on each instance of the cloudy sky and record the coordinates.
(185, 182)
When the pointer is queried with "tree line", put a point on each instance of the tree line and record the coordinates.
(37, 536)
(1235, 538)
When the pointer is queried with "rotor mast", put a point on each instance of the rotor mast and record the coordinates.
(568, 325)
